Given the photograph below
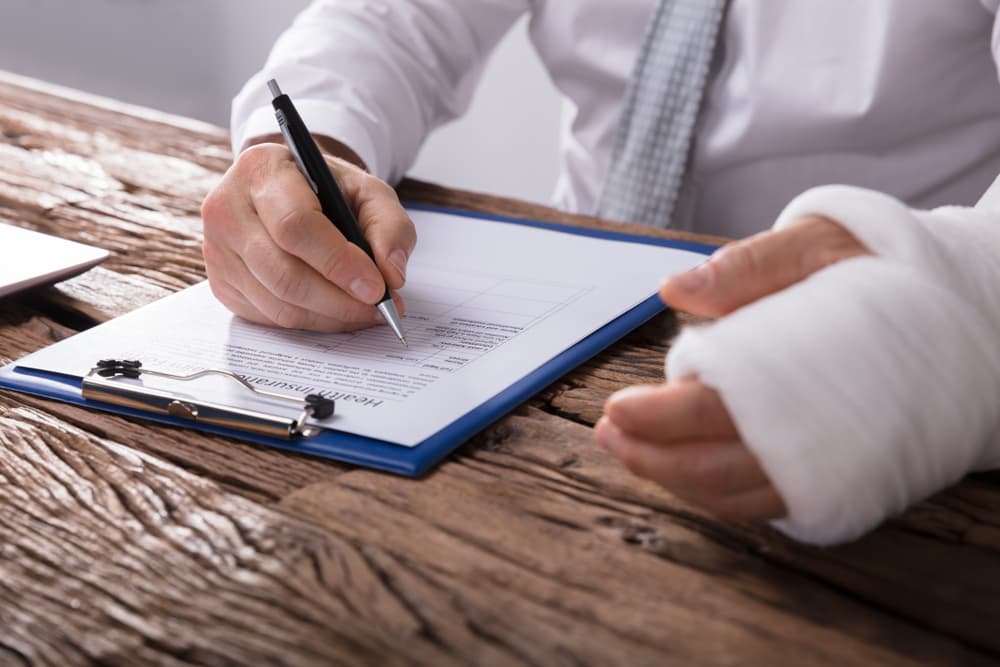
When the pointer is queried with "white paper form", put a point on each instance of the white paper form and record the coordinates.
(486, 303)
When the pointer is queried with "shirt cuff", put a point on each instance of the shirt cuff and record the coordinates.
(322, 118)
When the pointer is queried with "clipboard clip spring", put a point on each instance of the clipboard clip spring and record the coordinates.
(99, 385)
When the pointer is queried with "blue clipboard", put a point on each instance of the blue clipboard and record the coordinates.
(378, 454)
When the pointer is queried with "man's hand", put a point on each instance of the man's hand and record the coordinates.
(272, 256)
(680, 434)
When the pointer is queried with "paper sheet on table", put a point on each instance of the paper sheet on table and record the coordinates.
(487, 302)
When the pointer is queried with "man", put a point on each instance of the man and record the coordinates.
(852, 370)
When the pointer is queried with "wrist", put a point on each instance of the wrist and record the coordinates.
(327, 146)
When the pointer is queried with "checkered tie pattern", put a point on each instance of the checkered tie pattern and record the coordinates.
(660, 112)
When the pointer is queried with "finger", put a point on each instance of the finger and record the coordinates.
(744, 271)
(760, 504)
(232, 299)
(697, 470)
(292, 281)
(382, 219)
(291, 214)
(266, 308)
(678, 411)
(289, 316)
(400, 304)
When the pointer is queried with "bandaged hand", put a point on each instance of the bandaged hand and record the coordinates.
(858, 389)
(680, 434)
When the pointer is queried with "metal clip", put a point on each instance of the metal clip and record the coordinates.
(99, 385)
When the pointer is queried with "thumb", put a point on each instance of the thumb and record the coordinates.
(382, 219)
(747, 270)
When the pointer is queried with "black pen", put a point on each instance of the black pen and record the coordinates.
(324, 184)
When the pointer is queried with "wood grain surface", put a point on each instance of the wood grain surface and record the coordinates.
(123, 542)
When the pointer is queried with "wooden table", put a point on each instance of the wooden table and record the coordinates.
(126, 542)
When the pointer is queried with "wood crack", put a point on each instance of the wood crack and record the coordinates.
(425, 628)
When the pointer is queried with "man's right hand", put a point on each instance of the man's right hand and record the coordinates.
(272, 257)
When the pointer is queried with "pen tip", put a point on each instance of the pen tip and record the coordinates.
(391, 315)
(272, 85)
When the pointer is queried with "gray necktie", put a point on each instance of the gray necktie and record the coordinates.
(660, 111)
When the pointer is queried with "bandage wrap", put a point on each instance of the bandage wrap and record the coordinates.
(874, 382)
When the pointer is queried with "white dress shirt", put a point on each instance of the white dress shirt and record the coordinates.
(860, 389)
(896, 95)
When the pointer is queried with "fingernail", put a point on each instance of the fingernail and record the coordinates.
(398, 259)
(617, 406)
(366, 290)
(600, 432)
(693, 280)
(606, 433)
(628, 392)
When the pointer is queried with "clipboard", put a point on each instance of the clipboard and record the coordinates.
(365, 451)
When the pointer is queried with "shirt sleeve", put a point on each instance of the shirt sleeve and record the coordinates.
(377, 75)
(874, 382)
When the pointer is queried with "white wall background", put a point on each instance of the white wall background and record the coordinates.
(191, 56)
